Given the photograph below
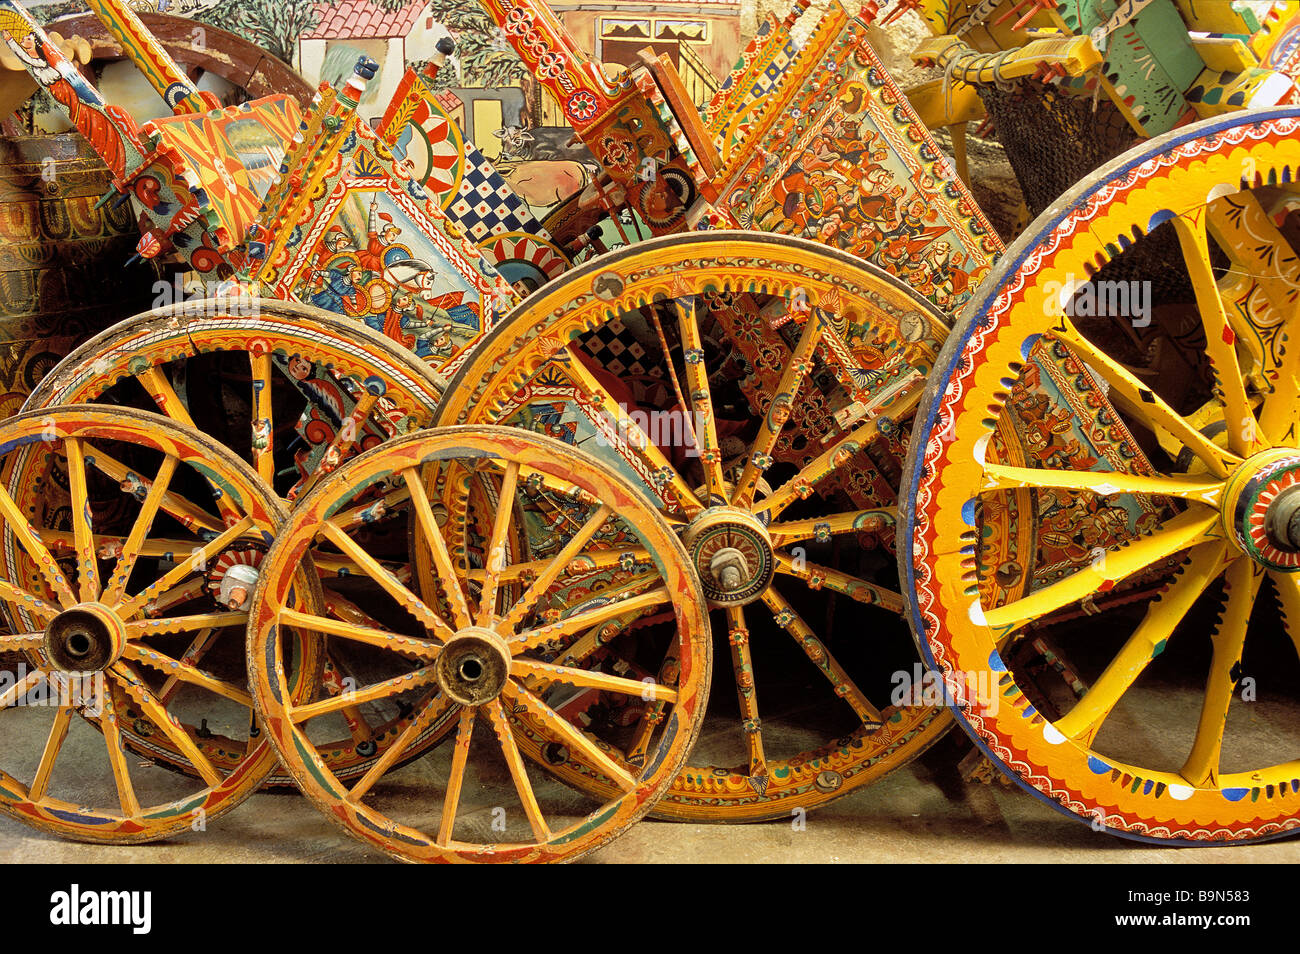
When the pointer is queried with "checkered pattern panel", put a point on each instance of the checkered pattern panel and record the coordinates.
(619, 351)
(486, 205)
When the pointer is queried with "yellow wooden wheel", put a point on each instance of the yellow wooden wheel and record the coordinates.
(1150, 570)
(760, 387)
(84, 665)
(472, 651)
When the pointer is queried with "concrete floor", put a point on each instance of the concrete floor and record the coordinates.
(919, 814)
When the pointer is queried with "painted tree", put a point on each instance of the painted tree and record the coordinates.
(483, 55)
(274, 25)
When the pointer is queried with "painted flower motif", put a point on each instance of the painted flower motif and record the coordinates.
(784, 618)
(626, 561)
(762, 461)
(822, 533)
(815, 581)
(581, 106)
(551, 65)
(618, 154)
(518, 21)
(535, 43)
(693, 356)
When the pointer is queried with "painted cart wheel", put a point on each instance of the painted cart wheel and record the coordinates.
(1185, 729)
(476, 654)
(81, 644)
(292, 389)
(760, 387)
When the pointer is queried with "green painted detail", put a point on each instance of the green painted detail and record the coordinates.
(593, 822)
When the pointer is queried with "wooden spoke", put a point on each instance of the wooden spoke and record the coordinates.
(515, 762)
(429, 713)
(1220, 346)
(591, 560)
(817, 577)
(742, 663)
(391, 584)
(494, 557)
(782, 403)
(577, 651)
(183, 624)
(629, 434)
(169, 402)
(187, 513)
(554, 567)
(1206, 490)
(157, 713)
(197, 649)
(532, 638)
(117, 755)
(29, 540)
(199, 558)
(263, 422)
(18, 691)
(190, 589)
(554, 725)
(22, 600)
(334, 565)
(53, 745)
(1140, 401)
(1279, 419)
(340, 444)
(21, 642)
(1204, 564)
(791, 531)
(456, 776)
(442, 563)
(701, 397)
(789, 620)
(185, 672)
(826, 463)
(359, 728)
(545, 672)
(642, 736)
(136, 537)
(369, 512)
(1192, 526)
(82, 531)
(164, 395)
(407, 645)
(1243, 580)
(379, 690)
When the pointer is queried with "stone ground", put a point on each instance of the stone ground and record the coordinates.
(921, 814)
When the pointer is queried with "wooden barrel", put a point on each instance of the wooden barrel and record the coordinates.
(63, 275)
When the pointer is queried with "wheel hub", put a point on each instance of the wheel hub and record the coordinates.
(732, 554)
(1261, 508)
(88, 637)
(473, 666)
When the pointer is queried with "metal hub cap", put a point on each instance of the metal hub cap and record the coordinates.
(473, 666)
(85, 638)
(732, 554)
(1261, 508)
